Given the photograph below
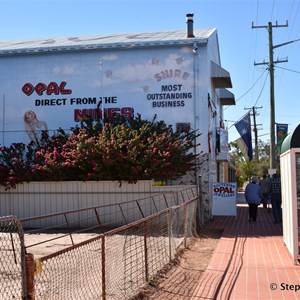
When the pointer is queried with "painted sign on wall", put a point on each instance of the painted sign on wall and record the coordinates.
(51, 91)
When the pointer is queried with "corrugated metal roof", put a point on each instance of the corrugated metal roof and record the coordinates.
(220, 76)
(103, 41)
(226, 97)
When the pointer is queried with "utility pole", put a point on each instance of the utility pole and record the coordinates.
(271, 64)
(255, 130)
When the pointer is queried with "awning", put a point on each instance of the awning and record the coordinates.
(226, 97)
(220, 77)
(292, 140)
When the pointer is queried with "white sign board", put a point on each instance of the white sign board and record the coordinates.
(224, 199)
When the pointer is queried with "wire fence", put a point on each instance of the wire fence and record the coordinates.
(12, 259)
(111, 263)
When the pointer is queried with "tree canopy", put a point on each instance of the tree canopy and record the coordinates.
(245, 168)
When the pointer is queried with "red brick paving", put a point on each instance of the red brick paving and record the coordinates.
(249, 258)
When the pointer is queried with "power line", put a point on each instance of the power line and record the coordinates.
(257, 98)
(296, 13)
(288, 70)
(263, 87)
(292, 16)
(251, 86)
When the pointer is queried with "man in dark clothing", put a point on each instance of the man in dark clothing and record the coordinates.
(264, 187)
(253, 195)
(275, 193)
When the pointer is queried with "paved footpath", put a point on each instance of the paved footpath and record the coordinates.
(250, 261)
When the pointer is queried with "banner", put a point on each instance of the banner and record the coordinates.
(222, 144)
(240, 143)
(281, 133)
(243, 127)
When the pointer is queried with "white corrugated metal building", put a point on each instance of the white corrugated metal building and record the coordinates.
(176, 75)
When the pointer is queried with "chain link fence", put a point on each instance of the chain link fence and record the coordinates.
(75, 273)
(12, 259)
(113, 264)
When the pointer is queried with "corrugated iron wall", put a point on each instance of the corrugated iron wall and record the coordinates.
(42, 198)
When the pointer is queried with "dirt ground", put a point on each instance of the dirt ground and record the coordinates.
(179, 280)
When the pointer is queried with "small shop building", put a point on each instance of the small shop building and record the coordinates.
(174, 75)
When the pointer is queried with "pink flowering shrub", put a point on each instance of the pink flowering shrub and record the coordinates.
(127, 151)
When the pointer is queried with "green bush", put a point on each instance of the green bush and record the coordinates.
(120, 150)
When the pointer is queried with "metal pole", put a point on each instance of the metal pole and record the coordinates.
(69, 229)
(170, 231)
(146, 250)
(184, 226)
(30, 276)
(103, 267)
(272, 99)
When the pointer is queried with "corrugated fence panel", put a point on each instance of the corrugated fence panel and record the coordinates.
(5, 203)
(42, 198)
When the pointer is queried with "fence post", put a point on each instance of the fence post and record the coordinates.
(103, 268)
(68, 225)
(200, 205)
(30, 276)
(165, 198)
(170, 232)
(146, 251)
(123, 214)
(154, 203)
(140, 209)
(184, 226)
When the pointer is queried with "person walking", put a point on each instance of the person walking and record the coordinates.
(254, 196)
(265, 190)
(275, 193)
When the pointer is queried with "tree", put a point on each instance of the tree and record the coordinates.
(246, 169)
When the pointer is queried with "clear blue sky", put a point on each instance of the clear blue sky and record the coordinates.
(240, 45)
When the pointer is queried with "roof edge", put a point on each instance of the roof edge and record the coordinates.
(94, 42)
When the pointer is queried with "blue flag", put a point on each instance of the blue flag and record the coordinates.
(243, 127)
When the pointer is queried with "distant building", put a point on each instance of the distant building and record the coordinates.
(176, 75)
